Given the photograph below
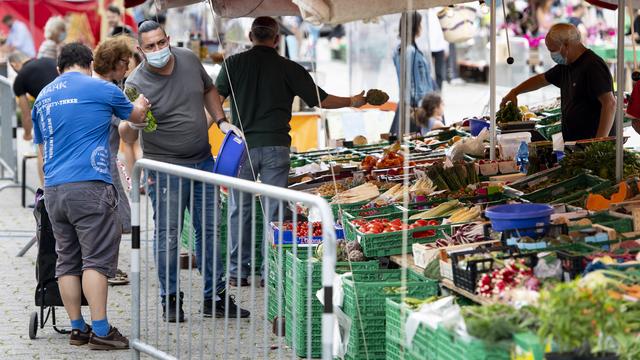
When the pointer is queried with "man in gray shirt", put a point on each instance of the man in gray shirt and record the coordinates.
(179, 89)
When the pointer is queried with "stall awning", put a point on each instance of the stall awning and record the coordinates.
(316, 11)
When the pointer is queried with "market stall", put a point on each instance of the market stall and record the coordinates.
(463, 244)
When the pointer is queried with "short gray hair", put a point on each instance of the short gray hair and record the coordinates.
(563, 32)
(17, 57)
(54, 24)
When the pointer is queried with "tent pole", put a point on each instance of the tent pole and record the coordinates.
(620, 83)
(32, 17)
(404, 84)
(492, 81)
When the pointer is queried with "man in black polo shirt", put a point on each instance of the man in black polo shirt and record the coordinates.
(264, 84)
(33, 76)
(586, 86)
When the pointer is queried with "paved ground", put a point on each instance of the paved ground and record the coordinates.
(246, 341)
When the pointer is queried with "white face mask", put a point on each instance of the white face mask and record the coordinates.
(160, 58)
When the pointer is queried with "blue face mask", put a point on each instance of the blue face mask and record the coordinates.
(558, 58)
(160, 58)
(62, 36)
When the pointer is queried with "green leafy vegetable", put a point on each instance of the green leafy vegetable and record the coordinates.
(152, 124)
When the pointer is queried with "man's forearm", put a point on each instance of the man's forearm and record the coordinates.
(531, 84)
(335, 102)
(607, 114)
(213, 104)
(27, 123)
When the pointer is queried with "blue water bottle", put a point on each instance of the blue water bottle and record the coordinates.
(523, 157)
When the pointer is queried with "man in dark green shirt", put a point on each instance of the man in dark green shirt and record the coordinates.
(264, 85)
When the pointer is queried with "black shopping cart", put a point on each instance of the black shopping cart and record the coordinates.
(47, 296)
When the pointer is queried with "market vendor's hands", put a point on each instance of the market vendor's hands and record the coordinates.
(358, 100)
(226, 126)
(510, 97)
(143, 104)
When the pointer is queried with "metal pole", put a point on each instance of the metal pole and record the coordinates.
(32, 17)
(135, 261)
(492, 82)
(620, 75)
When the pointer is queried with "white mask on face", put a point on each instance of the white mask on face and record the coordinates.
(160, 58)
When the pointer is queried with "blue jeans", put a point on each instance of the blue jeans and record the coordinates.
(271, 165)
(168, 231)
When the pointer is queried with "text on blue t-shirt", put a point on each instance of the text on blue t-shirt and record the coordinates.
(72, 118)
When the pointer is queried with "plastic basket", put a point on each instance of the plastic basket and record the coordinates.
(567, 190)
(511, 237)
(231, 155)
(466, 277)
(519, 216)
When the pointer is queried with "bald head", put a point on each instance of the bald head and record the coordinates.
(562, 34)
(264, 31)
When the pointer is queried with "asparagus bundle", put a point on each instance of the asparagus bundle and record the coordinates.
(152, 124)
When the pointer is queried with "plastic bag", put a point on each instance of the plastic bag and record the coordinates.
(468, 146)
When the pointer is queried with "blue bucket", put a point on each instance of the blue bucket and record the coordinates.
(519, 216)
(231, 155)
(477, 125)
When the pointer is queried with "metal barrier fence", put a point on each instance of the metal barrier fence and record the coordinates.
(8, 124)
(175, 190)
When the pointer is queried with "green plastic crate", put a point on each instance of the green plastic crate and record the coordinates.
(277, 276)
(396, 350)
(337, 210)
(604, 218)
(547, 131)
(423, 343)
(223, 231)
(568, 190)
(368, 331)
(386, 244)
(304, 268)
(451, 347)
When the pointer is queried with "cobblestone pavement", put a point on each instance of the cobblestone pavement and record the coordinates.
(17, 303)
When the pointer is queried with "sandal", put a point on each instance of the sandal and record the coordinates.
(121, 278)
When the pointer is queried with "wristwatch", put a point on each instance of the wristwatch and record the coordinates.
(219, 121)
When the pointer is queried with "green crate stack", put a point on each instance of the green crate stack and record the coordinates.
(337, 209)
(423, 343)
(450, 347)
(371, 289)
(348, 215)
(276, 274)
(304, 268)
(397, 351)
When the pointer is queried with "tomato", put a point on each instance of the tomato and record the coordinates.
(433, 223)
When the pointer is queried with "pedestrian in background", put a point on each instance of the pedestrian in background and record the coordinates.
(73, 116)
(418, 72)
(55, 31)
(33, 76)
(19, 37)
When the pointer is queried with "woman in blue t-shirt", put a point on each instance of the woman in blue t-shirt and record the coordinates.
(420, 72)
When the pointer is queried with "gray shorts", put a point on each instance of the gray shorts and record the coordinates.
(86, 227)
